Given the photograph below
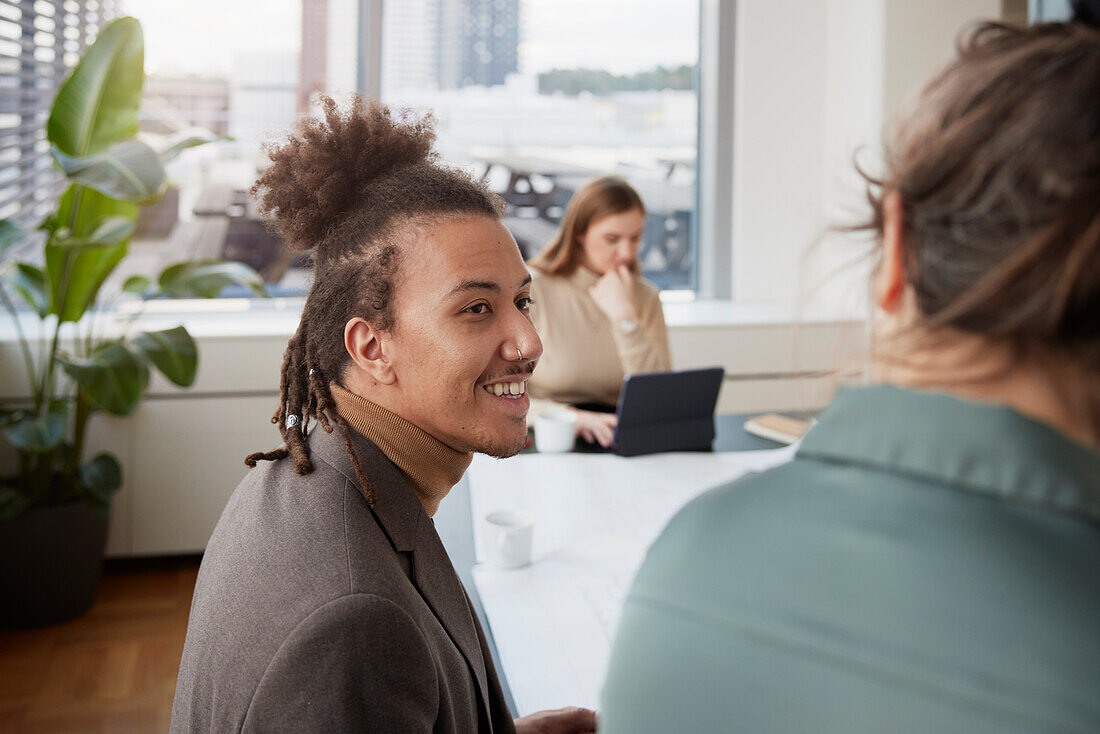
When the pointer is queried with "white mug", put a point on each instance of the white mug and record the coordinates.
(555, 431)
(508, 535)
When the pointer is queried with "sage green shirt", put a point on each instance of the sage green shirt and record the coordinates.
(924, 564)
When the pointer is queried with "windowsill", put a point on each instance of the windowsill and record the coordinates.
(717, 313)
(241, 318)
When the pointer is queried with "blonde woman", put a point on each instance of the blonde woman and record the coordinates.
(599, 320)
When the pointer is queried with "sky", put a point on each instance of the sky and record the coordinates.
(622, 36)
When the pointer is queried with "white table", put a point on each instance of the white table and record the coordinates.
(596, 515)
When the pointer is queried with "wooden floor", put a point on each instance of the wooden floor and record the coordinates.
(112, 670)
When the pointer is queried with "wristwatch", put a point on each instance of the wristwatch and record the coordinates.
(628, 326)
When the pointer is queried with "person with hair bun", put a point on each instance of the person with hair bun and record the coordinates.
(598, 318)
(325, 601)
(930, 559)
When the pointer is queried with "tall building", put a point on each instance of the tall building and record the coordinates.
(173, 104)
(477, 42)
(344, 46)
(409, 37)
(263, 95)
(312, 63)
(427, 45)
(329, 60)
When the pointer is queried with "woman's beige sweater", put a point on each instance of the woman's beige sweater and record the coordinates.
(585, 356)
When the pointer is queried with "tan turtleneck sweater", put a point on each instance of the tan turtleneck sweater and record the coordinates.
(431, 466)
(585, 356)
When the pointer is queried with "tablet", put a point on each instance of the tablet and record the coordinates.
(667, 411)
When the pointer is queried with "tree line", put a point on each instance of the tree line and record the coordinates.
(601, 83)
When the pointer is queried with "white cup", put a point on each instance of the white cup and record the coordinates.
(508, 535)
(555, 431)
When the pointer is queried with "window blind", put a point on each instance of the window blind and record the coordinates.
(40, 42)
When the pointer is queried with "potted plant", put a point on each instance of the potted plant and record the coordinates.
(53, 505)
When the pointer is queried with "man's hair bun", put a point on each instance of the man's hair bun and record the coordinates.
(322, 171)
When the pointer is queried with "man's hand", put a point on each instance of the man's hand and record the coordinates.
(570, 720)
(614, 294)
(596, 427)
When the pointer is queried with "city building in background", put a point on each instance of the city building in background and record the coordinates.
(450, 44)
(263, 101)
(536, 96)
(410, 49)
(312, 62)
(478, 42)
(173, 104)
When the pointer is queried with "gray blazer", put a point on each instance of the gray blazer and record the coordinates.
(314, 613)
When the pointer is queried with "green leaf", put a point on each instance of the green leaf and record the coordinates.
(129, 170)
(113, 378)
(10, 415)
(98, 104)
(10, 233)
(92, 210)
(102, 477)
(37, 433)
(30, 282)
(49, 223)
(206, 279)
(87, 270)
(87, 209)
(193, 139)
(112, 230)
(174, 353)
(108, 232)
(136, 284)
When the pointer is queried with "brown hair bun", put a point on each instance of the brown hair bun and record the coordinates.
(322, 171)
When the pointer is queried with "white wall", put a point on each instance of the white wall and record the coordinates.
(919, 38)
(814, 81)
(779, 103)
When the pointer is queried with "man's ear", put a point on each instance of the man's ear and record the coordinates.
(890, 280)
(367, 350)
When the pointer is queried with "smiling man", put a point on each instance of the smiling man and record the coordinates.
(326, 601)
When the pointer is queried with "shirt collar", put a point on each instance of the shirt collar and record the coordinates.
(979, 447)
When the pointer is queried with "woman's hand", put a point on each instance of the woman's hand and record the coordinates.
(596, 427)
(614, 294)
(560, 721)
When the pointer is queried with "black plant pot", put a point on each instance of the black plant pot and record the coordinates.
(50, 562)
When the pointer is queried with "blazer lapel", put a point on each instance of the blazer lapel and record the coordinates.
(435, 576)
(408, 527)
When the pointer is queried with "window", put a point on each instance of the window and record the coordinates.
(537, 96)
(540, 96)
(40, 42)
